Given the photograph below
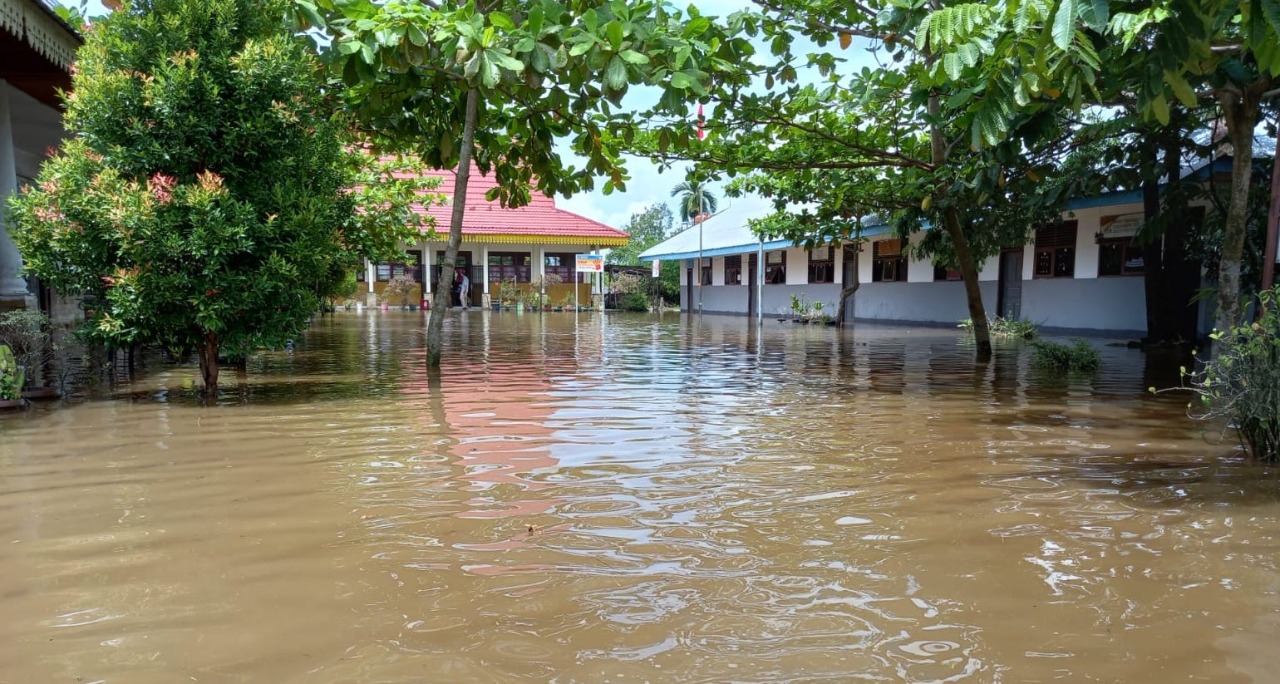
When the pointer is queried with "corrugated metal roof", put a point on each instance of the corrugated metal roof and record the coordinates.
(540, 220)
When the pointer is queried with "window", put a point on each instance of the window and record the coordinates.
(561, 265)
(1056, 251)
(733, 270)
(411, 266)
(775, 268)
(706, 272)
(887, 263)
(510, 266)
(822, 265)
(1120, 256)
(943, 273)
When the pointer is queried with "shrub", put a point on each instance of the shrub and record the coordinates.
(1001, 327)
(1077, 356)
(12, 376)
(634, 301)
(400, 287)
(1242, 383)
(27, 335)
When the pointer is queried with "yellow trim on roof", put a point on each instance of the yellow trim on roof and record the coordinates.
(512, 238)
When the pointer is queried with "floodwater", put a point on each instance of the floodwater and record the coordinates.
(599, 498)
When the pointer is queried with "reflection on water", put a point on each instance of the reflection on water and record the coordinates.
(590, 498)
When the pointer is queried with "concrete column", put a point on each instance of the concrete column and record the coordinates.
(484, 268)
(427, 259)
(12, 284)
(369, 274)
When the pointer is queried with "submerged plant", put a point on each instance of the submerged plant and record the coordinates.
(1242, 383)
(27, 334)
(1077, 356)
(12, 375)
(1004, 328)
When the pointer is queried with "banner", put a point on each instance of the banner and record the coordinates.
(589, 263)
(657, 268)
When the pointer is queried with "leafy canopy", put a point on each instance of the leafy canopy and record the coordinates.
(545, 70)
(206, 192)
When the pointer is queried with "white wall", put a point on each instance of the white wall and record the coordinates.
(797, 266)
(717, 271)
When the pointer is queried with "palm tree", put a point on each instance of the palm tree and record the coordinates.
(689, 194)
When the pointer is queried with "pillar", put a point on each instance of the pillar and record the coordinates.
(427, 259)
(12, 284)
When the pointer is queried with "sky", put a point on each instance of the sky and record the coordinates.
(647, 185)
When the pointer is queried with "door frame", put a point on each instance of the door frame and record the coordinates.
(1002, 280)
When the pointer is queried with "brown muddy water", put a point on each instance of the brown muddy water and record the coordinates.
(619, 499)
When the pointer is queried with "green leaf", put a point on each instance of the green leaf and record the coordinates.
(489, 74)
(951, 64)
(613, 31)
(1064, 24)
(696, 27)
(501, 20)
(1160, 108)
(1181, 89)
(504, 60)
(681, 80)
(1096, 13)
(633, 57)
(416, 35)
(1271, 8)
(308, 10)
(615, 76)
(582, 48)
(466, 29)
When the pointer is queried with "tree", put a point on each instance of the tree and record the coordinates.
(1225, 52)
(894, 139)
(648, 228)
(202, 201)
(497, 82)
(694, 200)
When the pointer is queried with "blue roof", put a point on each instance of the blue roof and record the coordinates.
(727, 239)
(722, 240)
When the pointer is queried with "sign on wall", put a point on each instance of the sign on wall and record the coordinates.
(589, 263)
(657, 268)
(1123, 225)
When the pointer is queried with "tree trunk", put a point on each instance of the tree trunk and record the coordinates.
(444, 284)
(964, 255)
(1181, 273)
(1273, 222)
(208, 353)
(972, 290)
(845, 295)
(1240, 110)
(1153, 272)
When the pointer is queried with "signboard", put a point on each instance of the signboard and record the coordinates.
(589, 263)
(1124, 225)
(657, 268)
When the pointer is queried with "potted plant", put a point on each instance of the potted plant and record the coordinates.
(400, 287)
(12, 377)
(818, 316)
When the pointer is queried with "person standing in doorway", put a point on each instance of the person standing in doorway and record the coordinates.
(464, 290)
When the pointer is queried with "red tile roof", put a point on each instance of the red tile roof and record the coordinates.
(539, 219)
